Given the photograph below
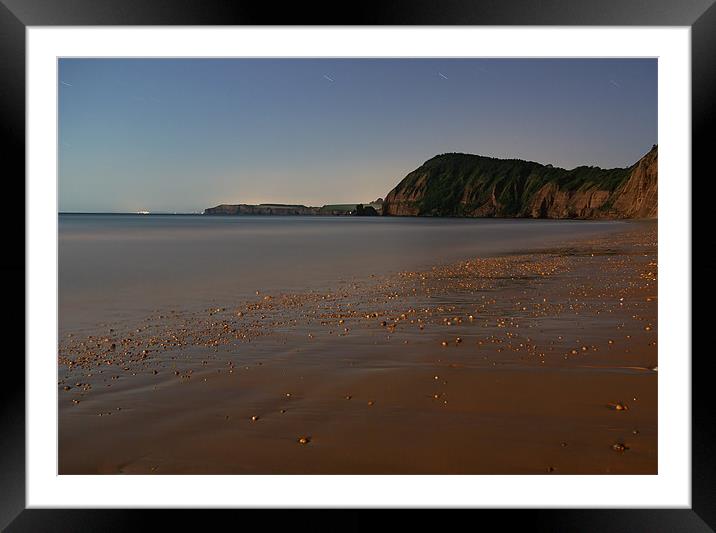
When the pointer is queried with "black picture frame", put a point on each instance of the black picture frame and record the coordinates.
(16, 15)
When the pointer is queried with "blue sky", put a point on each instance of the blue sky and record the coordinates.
(171, 135)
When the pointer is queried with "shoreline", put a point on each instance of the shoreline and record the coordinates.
(119, 269)
(510, 396)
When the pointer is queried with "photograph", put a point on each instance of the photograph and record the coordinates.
(357, 265)
(407, 256)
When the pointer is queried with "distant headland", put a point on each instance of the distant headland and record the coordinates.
(370, 209)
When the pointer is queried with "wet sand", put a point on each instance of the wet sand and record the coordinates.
(539, 363)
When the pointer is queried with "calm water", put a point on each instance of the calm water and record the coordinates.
(114, 268)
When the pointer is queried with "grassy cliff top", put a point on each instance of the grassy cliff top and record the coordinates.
(448, 176)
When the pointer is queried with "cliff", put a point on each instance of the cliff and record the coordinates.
(637, 197)
(467, 185)
(261, 209)
(294, 210)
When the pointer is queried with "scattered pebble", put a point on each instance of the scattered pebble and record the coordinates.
(136, 351)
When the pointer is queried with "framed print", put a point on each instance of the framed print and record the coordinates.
(408, 260)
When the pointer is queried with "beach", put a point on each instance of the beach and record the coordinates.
(537, 356)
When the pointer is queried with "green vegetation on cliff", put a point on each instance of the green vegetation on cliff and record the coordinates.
(458, 184)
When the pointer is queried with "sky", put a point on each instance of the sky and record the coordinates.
(180, 135)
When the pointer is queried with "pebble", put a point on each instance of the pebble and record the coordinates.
(304, 440)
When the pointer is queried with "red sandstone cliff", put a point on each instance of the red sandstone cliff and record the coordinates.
(475, 186)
